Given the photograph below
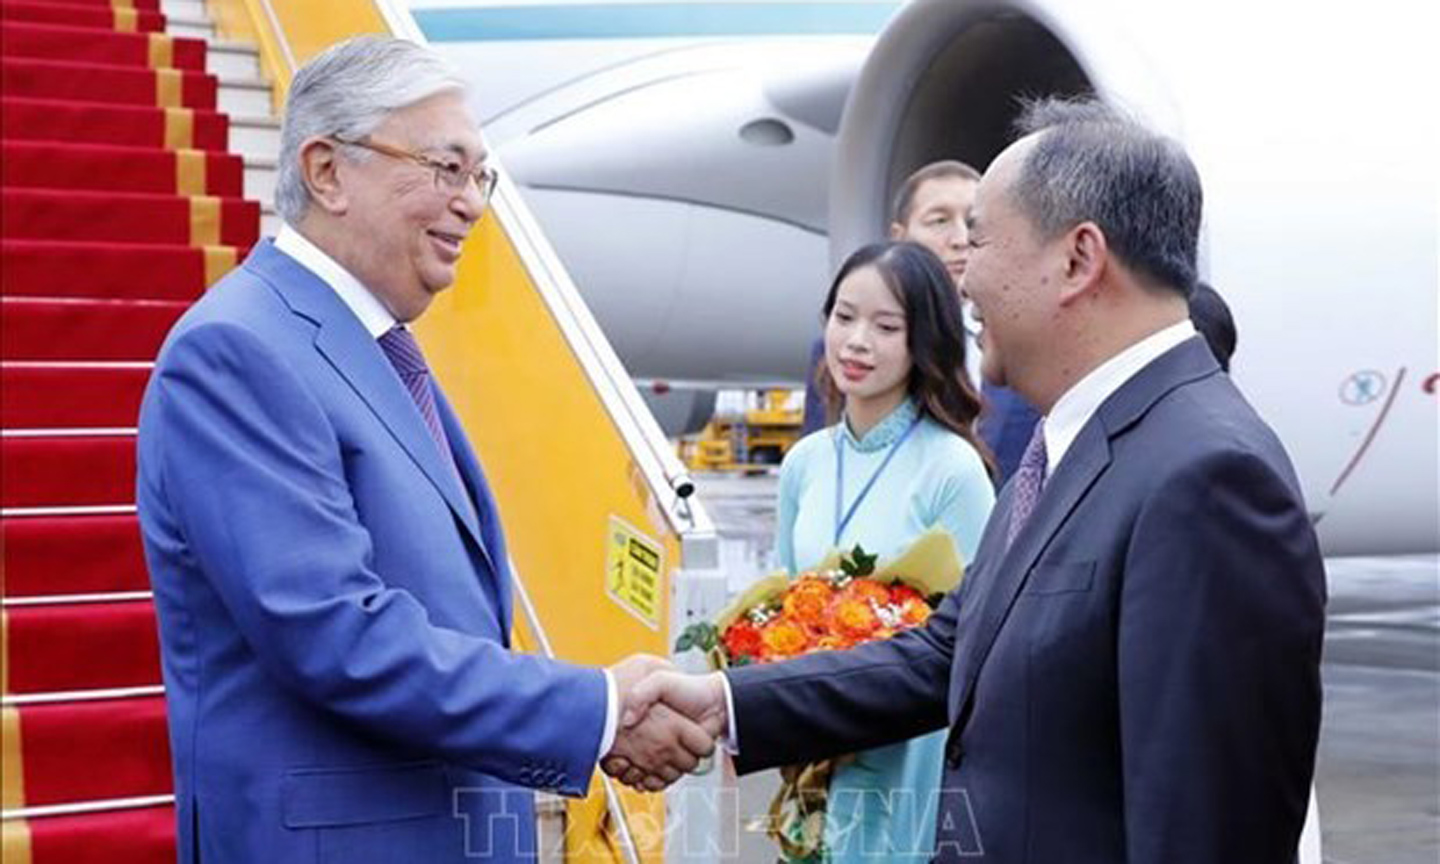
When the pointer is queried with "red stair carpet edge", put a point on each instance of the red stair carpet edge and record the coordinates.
(61, 744)
(93, 82)
(94, 45)
(89, 16)
(140, 836)
(125, 125)
(56, 555)
(118, 271)
(74, 329)
(70, 395)
(86, 646)
(98, 167)
(67, 471)
(44, 214)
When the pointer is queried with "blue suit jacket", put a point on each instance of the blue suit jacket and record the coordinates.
(1136, 679)
(334, 607)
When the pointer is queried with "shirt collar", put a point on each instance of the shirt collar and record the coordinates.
(884, 433)
(1074, 409)
(357, 298)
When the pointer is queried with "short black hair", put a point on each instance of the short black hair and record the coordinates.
(905, 198)
(1211, 316)
(1091, 163)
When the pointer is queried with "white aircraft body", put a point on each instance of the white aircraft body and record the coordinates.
(701, 180)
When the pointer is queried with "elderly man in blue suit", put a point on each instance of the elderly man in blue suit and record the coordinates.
(1131, 671)
(329, 570)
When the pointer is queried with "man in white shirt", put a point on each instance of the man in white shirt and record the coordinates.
(1131, 671)
(330, 574)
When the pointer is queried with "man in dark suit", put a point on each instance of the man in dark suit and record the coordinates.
(1130, 672)
(329, 569)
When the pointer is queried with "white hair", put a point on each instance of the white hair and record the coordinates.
(347, 92)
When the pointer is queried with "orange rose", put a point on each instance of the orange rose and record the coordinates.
(853, 618)
(867, 590)
(915, 612)
(807, 599)
(783, 638)
(831, 643)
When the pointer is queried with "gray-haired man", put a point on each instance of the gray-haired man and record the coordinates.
(329, 569)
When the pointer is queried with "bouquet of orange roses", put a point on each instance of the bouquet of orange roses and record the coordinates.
(848, 600)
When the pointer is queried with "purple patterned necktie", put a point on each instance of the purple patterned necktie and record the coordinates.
(403, 351)
(1029, 483)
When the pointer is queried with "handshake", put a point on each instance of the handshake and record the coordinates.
(668, 722)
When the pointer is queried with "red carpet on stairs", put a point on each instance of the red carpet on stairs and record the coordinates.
(66, 328)
(124, 125)
(48, 165)
(65, 742)
(142, 19)
(82, 646)
(119, 205)
(70, 394)
(70, 268)
(93, 45)
(60, 555)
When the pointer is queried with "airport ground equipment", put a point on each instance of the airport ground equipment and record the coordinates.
(753, 435)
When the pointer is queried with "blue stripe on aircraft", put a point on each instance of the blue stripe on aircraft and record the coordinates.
(650, 20)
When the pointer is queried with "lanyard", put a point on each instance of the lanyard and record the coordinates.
(842, 521)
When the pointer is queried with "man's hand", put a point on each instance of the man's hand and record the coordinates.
(658, 750)
(659, 701)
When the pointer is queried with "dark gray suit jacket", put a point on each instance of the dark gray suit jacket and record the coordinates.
(1136, 680)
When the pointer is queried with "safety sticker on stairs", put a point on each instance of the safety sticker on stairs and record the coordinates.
(633, 564)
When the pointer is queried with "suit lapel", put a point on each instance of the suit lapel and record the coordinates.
(1081, 466)
(343, 341)
(492, 539)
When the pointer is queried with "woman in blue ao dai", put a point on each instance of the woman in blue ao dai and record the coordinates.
(903, 458)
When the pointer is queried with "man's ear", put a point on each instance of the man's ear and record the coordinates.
(897, 231)
(320, 171)
(1087, 256)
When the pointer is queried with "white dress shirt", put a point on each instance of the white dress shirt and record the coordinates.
(377, 321)
(1075, 407)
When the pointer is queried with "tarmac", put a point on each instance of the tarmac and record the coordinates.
(1378, 767)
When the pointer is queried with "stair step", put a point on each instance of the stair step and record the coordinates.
(50, 555)
(71, 395)
(227, 59)
(65, 472)
(261, 176)
(152, 5)
(124, 125)
(50, 165)
(249, 96)
(59, 745)
(41, 214)
(93, 82)
(129, 836)
(115, 271)
(190, 27)
(185, 8)
(255, 136)
(90, 15)
(80, 329)
(82, 646)
(91, 45)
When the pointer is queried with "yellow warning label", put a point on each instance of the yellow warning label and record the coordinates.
(632, 571)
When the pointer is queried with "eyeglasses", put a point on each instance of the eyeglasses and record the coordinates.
(449, 174)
